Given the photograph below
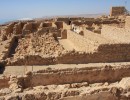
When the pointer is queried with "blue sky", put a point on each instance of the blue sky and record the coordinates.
(17, 9)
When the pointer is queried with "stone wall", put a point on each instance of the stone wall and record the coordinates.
(119, 35)
(68, 75)
(47, 24)
(66, 20)
(17, 29)
(35, 25)
(116, 11)
(104, 53)
(127, 23)
(88, 51)
(32, 60)
(47, 30)
(62, 25)
(59, 24)
(28, 27)
(8, 47)
(71, 91)
(7, 31)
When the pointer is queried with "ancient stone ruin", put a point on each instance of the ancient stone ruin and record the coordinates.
(66, 58)
(116, 11)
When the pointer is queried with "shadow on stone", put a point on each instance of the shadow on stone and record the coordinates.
(2, 68)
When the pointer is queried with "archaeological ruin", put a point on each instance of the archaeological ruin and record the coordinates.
(75, 58)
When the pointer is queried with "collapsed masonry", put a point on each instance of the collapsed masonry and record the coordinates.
(66, 41)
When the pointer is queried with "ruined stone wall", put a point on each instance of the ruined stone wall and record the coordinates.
(127, 23)
(62, 25)
(35, 25)
(33, 60)
(104, 53)
(8, 46)
(47, 24)
(66, 20)
(75, 18)
(116, 11)
(37, 49)
(17, 29)
(7, 31)
(120, 35)
(91, 52)
(76, 75)
(47, 30)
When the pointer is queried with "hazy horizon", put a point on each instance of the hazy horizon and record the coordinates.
(18, 9)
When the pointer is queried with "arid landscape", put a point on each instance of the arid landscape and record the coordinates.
(66, 58)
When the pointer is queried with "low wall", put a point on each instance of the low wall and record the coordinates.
(120, 35)
(104, 53)
(74, 74)
(96, 96)
(33, 60)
